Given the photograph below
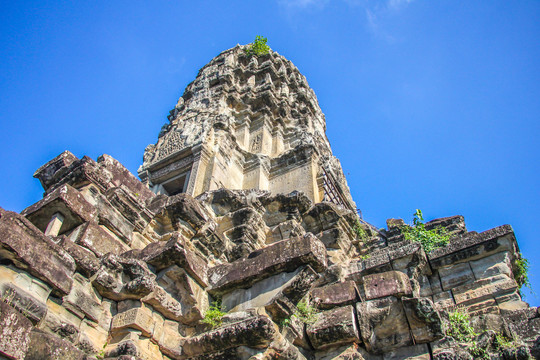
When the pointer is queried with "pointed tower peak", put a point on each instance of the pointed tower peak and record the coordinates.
(246, 122)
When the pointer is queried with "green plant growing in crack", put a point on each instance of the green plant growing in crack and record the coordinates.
(214, 316)
(101, 354)
(502, 342)
(258, 47)
(359, 231)
(306, 313)
(459, 326)
(429, 239)
(521, 272)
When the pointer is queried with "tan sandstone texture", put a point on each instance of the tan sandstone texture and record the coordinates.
(241, 203)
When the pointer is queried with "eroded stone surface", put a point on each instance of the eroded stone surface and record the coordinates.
(254, 332)
(338, 294)
(285, 255)
(333, 327)
(385, 284)
(383, 324)
(29, 248)
(15, 332)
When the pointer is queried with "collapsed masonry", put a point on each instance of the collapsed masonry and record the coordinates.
(103, 267)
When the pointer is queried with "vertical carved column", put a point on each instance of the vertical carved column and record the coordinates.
(201, 157)
(53, 228)
(277, 140)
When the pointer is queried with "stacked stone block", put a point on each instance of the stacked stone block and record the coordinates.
(130, 275)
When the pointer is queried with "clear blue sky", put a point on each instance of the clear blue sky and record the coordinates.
(429, 104)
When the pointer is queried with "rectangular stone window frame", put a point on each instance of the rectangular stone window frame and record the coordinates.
(175, 185)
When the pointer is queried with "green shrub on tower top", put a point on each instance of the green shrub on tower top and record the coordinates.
(258, 47)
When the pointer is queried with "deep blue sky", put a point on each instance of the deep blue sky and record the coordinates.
(429, 104)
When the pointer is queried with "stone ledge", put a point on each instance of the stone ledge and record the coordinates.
(253, 332)
(65, 200)
(286, 255)
(28, 248)
(162, 255)
(473, 246)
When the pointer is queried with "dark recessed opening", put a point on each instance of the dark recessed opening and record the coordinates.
(175, 185)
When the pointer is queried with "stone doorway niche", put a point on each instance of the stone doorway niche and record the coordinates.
(175, 185)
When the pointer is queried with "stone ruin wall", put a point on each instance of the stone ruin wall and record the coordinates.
(102, 268)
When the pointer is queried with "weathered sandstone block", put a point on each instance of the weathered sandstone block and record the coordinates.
(162, 255)
(473, 246)
(136, 318)
(108, 215)
(293, 285)
(83, 298)
(324, 216)
(385, 284)
(415, 352)
(383, 324)
(28, 248)
(333, 327)
(253, 332)
(376, 263)
(61, 322)
(483, 289)
(455, 225)
(178, 296)
(122, 278)
(455, 275)
(100, 242)
(15, 332)
(45, 346)
(286, 255)
(50, 173)
(24, 292)
(338, 294)
(178, 210)
(86, 261)
(66, 201)
(424, 320)
(346, 352)
(25, 302)
(133, 346)
(92, 338)
(493, 265)
(285, 230)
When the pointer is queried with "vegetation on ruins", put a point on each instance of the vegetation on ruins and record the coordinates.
(214, 316)
(101, 354)
(306, 313)
(503, 342)
(459, 326)
(521, 272)
(460, 329)
(359, 231)
(258, 47)
(430, 239)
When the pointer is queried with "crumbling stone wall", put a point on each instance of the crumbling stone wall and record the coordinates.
(129, 275)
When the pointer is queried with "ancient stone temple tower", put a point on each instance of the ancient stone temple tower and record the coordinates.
(242, 242)
(246, 122)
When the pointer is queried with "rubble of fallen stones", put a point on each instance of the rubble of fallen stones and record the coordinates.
(102, 268)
